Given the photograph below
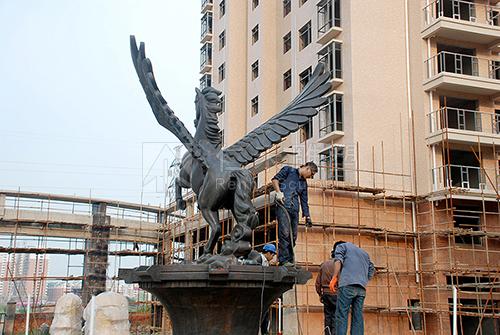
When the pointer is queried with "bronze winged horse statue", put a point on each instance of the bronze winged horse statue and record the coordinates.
(218, 176)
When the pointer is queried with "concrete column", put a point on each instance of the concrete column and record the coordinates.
(10, 315)
(2, 205)
(96, 260)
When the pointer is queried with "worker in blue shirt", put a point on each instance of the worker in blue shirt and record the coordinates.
(351, 272)
(290, 185)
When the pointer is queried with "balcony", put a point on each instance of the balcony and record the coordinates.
(206, 58)
(331, 55)
(464, 126)
(464, 181)
(328, 20)
(331, 119)
(206, 5)
(206, 27)
(463, 73)
(463, 21)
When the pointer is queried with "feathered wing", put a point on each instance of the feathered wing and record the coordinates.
(164, 115)
(296, 114)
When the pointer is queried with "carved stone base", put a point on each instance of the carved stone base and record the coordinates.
(204, 300)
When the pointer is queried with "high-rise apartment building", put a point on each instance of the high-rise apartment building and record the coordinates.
(413, 114)
(23, 274)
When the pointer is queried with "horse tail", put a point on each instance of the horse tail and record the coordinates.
(244, 211)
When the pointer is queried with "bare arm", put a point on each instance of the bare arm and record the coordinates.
(276, 185)
(336, 268)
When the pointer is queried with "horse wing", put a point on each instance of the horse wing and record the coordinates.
(297, 113)
(164, 115)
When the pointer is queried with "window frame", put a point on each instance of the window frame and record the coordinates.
(222, 8)
(222, 72)
(222, 40)
(205, 81)
(287, 80)
(305, 36)
(287, 7)
(255, 70)
(254, 103)
(255, 34)
(287, 42)
(304, 78)
(335, 163)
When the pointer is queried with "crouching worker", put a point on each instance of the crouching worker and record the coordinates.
(267, 254)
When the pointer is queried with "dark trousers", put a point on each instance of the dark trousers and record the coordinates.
(264, 326)
(329, 308)
(286, 243)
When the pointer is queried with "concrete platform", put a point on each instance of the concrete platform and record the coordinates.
(204, 300)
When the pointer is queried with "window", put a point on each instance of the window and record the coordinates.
(459, 113)
(205, 55)
(464, 170)
(457, 59)
(255, 34)
(206, 24)
(255, 69)
(287, 80)
(287, 42)
(255, 3)
(304, 77)
(222, 105)
(222, 8)
(416, 316)
(331, 164)
(305, 36)
(328, 16)
(301, 2)
(222, 72)
(222, 138)
(331, 115)
(255, 106)
(205, 81)
(287, 7)
(496, 122)
(467, 219)
(222, 40)
(306, 131)
(331, 55)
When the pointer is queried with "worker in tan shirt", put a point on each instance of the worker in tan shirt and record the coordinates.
(326, 296)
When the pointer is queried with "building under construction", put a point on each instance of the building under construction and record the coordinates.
(407, 150)
(422, 248)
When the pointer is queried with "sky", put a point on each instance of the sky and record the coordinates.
(74, 118)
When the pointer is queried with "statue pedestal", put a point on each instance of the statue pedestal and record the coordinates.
(204, 300)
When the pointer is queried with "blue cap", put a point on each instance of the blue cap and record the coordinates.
(269, 247)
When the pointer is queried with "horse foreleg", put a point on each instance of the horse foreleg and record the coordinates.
(181, 203)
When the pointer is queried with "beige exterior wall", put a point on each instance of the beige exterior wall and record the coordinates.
(388, 140)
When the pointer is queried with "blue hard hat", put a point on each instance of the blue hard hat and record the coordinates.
(269, 247)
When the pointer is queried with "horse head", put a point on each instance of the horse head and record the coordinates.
(208, 104)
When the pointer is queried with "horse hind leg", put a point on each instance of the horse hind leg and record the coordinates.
(212, 218)
(244, 213)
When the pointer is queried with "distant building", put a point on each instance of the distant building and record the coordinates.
(23, 274)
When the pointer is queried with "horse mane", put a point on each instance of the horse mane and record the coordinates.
(208, 105)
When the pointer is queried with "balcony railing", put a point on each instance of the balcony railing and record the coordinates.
(462, 64)
(461, 176)
(206, 26)
(205, 3)
(464, 119)
(331, 116)
(331, 55)
(461, 10)
(328, 16)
